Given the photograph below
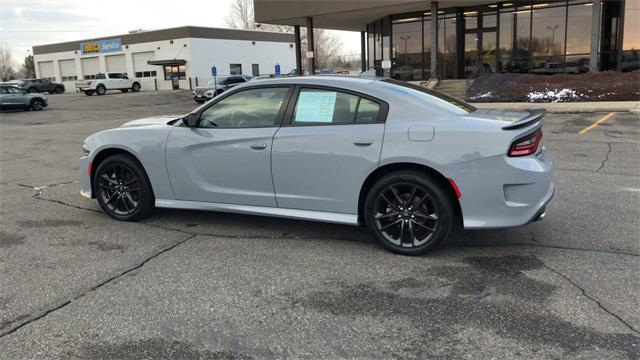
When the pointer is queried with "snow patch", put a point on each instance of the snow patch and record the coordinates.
(554, 95)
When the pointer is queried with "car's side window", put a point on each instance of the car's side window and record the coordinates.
(3, 90)
(327, 107)
(248, 108)
(367, 111)
(324, 107)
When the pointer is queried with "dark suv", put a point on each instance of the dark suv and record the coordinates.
(41, 86)
(225, 82)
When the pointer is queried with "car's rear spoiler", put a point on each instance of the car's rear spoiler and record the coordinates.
(535, 115)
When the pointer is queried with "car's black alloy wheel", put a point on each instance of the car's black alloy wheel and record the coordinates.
(122, 188)
(409, 213)
(37, 105)
(59, 90)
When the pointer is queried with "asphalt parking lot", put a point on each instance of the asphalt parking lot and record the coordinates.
(184, 284)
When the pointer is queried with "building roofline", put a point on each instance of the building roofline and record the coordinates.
(170, 34)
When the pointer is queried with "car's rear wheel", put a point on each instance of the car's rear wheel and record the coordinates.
(135, 87)
(124, 90)
(101, 90)
(409, 213)
(88, 92)
(123, 189)
(37, 105)
(59, 90)
(32, 90)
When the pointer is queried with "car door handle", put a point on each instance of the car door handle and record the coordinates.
(258, 146)
(363, 142)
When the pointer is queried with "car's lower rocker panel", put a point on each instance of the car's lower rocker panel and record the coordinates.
(337, 218)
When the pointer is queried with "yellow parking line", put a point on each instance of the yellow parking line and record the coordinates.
(600, 121)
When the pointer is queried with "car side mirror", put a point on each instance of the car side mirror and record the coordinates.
(190, 120)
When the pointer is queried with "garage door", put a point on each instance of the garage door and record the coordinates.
(116, 63)
(68, 70)
(140, 61)
(46, 70)
(90, 67)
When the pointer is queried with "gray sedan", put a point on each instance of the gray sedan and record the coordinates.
(410, 164)
(12, 97)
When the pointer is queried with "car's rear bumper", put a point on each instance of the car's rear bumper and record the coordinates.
(502, 191)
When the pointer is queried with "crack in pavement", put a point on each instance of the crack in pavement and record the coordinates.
(111, 279)
(596, 301)
(191, 235)
(606, 158)
(584, 292)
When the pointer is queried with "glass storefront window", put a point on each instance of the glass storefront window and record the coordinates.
(407, 52)
(427, 47)
(447, 47)
(578, 27)
(631, 36)
(548, 32)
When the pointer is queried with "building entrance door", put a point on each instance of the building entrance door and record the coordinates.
(480, 45)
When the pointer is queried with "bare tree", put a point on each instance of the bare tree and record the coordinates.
(28, 70)
(328, 44)
(7, 71)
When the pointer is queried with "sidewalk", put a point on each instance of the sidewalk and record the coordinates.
(569, 107)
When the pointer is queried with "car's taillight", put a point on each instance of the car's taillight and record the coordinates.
(526, 145)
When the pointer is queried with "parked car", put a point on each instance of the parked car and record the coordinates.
(559, 68)
(13, 97)
(41, 86)
(217, 86)
(405, 161)
(108, 81)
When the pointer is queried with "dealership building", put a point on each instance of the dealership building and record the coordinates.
(180, 57)
(455, 39)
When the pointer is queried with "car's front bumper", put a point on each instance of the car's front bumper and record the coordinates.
(85, 176)
(502, 191)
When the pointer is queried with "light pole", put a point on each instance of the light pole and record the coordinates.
(553, 36)
(405, 38)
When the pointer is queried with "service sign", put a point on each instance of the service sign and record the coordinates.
(101, 46)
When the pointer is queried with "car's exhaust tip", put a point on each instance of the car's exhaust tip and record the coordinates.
(540, 215)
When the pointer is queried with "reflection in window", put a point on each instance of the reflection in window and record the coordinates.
(631, 36)
(249, 108)
(447, 46)
(578, 29)
(407, 49)
(548, 32)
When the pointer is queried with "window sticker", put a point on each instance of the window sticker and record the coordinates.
(316, 106)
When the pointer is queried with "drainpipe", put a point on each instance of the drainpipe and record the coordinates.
(296, 33)
(311, 62)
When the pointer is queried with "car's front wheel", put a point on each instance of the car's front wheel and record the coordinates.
(123, 189)
(101, 90)
(59, 90)
(37, 105)
(409, 213)
(135, 87)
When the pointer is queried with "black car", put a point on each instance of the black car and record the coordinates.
(41, 86)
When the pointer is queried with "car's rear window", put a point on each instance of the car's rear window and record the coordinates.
(451, 100)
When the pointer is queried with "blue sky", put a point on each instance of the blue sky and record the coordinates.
(24, 23)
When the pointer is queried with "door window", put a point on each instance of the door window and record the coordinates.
(248, 108)
(327, 107)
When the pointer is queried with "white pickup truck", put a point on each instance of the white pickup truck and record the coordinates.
(108, 81)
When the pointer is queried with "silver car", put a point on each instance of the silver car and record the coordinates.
(13, 97)
(410, 164)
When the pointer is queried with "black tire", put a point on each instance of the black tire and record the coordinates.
(37, 105)
(51, 92)
(122, 188)
(101, 90)
(88, 92)
(32, 90)
(124, 90)
(58, 90)
(426, 217)
(135, 87)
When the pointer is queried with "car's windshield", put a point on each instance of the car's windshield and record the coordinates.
(449, 99)
(219, 80)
